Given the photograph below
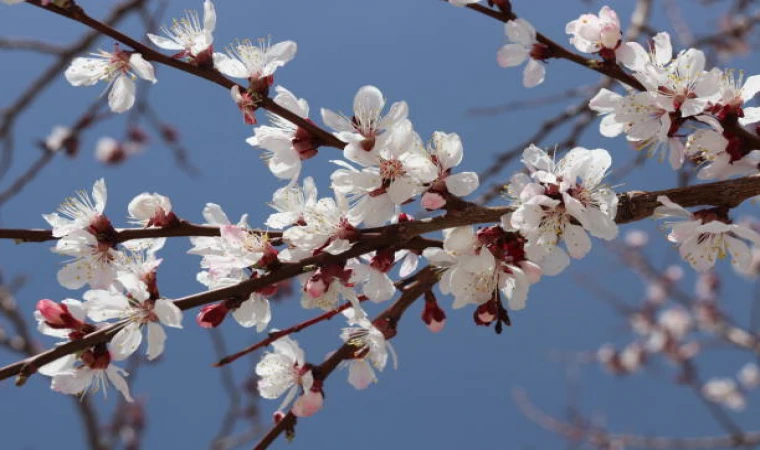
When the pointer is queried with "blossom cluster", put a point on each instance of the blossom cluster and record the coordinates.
(557, 204)
(122, 282)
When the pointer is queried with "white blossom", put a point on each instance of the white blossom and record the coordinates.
(391, 176)
(285, 143)
(478, 266)
(188, 36)
(57, 138)
(592, 33)
(724, 391)
(118, 69)
(523, 46)
(78, 213)
(135, 306)
(292, 203)
(149, 209)
(722, 157)
(371, 349)
(254, 61)
(446, 152)
(368, 129)
(92, 262)
(705, 236)
(555, 197)
(283, 370)
(91, 370)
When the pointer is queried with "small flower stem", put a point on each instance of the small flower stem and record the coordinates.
(274, 336)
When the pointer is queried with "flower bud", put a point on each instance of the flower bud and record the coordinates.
(152, 210)
(432, 200)
(433, 316)
(486, 313)
(308, 404)
(109, 151)
(57, 315)
(211, 316)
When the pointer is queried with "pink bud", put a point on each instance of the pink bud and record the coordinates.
(57, 315)
(315, 287)
(432, 200)
(486, 313)
(278, 416)
(211, 316)
(610, 35)
(433, 316)
(308, 404)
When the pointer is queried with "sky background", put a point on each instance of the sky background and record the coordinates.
(451, 389)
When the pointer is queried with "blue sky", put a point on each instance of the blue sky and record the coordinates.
(450, 390)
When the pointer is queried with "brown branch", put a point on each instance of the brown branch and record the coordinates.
(634, 206)
(30, 45)
(276, 335)
(184, 229)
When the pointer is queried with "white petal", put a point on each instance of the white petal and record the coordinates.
(122, 95)
(73, 382)
(230, 66)
(577, 241)
(360, 374)
(142, 68)
(369, 99)
(168, 313)
(126, 341)
(521, 32)
(605, 101)
(751, 115)
(209, 16)
(118, 381)
(156, 340)
(511, 55)
(534, 73)
(462, 184)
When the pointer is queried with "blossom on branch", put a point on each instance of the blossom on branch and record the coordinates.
(707, 235)
(562, 201)
(368, 130)
(188, 37)
(446, 152)
(392, 175)
(596, 34)
(479, 265)
(256, 62)
(118, 69)
(89, 370)
(286, 370)
(292, 203)
(139, 309)
(524, 46)
(371, 349)
(286, 144)
(152, 210)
